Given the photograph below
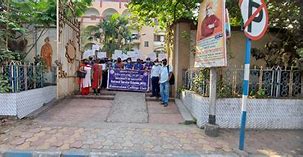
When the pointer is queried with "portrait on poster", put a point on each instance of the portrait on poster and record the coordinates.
(211, 39)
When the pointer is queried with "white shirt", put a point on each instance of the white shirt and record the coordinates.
(155, 71)
(103, 66)
(164, 73)
(86, 82)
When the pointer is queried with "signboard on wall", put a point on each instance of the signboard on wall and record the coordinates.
(211, 39)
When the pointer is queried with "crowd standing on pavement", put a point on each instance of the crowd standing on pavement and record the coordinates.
(94, 74)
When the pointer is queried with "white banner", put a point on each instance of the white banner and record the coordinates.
(95, 47)
(162, 56)
(152, 56)
(101, 55)
(88, 53)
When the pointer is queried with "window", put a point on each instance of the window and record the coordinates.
(146, 44)
(135, 36)
(159, 38)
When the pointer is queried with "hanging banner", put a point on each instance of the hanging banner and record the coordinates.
(211, 38)
(128, 80)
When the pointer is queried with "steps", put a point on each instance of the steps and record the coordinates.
(188, 118)
(100, 97)
(149, 98)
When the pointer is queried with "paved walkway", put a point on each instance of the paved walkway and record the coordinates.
(129, 108)
(81, 125)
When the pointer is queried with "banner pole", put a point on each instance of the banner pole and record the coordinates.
(245, 93)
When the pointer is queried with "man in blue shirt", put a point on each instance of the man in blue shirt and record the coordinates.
(148, 65)
(138, 65)
(129, 65)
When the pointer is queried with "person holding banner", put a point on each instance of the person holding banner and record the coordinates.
(97, 76)
(138, 65)
(148, 64)
(165, 75)
(128, 65)
(119, 64)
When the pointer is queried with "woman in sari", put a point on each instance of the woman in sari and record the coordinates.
(97, 77)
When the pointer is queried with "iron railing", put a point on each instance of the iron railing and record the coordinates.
(21, 77)
(273, 82)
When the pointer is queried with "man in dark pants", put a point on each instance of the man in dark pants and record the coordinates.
(155, 72)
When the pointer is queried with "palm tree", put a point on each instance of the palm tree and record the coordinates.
(113, 33)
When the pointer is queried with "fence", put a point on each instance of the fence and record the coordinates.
(273, 82)
(20, 77)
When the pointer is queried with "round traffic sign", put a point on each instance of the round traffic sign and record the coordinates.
(255, 17)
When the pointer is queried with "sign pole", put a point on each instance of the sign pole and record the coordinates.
(245, 93)
(212, 96)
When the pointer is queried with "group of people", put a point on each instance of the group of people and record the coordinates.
(96, 72)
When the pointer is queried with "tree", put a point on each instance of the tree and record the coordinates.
(284, 15)
(286, 47)
(165, 11)
(114, 33)
(18, 19)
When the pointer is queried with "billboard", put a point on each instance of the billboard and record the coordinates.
(211, 38)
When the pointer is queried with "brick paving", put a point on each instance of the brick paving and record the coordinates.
(80, 124)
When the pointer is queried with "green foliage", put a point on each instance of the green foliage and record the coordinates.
(224, 90)
(4, 84)
(18, 19)
(284, 48)
(259, 94)
(199, 79)
(114, 33)
(165, 11)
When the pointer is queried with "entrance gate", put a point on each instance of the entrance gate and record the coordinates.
(68, 48)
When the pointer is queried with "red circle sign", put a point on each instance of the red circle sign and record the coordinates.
(255, 17)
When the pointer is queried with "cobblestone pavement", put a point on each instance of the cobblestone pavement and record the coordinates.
(129, 108)
(79, 124)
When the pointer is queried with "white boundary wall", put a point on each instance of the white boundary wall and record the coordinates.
(261, 113)
(23, 103)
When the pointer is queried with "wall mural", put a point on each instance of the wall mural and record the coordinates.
(46, 53)
(70, 51)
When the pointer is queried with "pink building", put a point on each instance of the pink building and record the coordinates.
(146, 40)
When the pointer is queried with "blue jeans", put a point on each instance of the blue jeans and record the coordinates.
(164, 91)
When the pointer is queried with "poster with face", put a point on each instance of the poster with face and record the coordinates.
(211, 39)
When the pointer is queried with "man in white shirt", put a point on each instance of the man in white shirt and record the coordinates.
(165, 75)
(155, 73)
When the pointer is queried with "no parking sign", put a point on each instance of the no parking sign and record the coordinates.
(255, 17)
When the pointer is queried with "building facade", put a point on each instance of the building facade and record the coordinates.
(147, 40)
